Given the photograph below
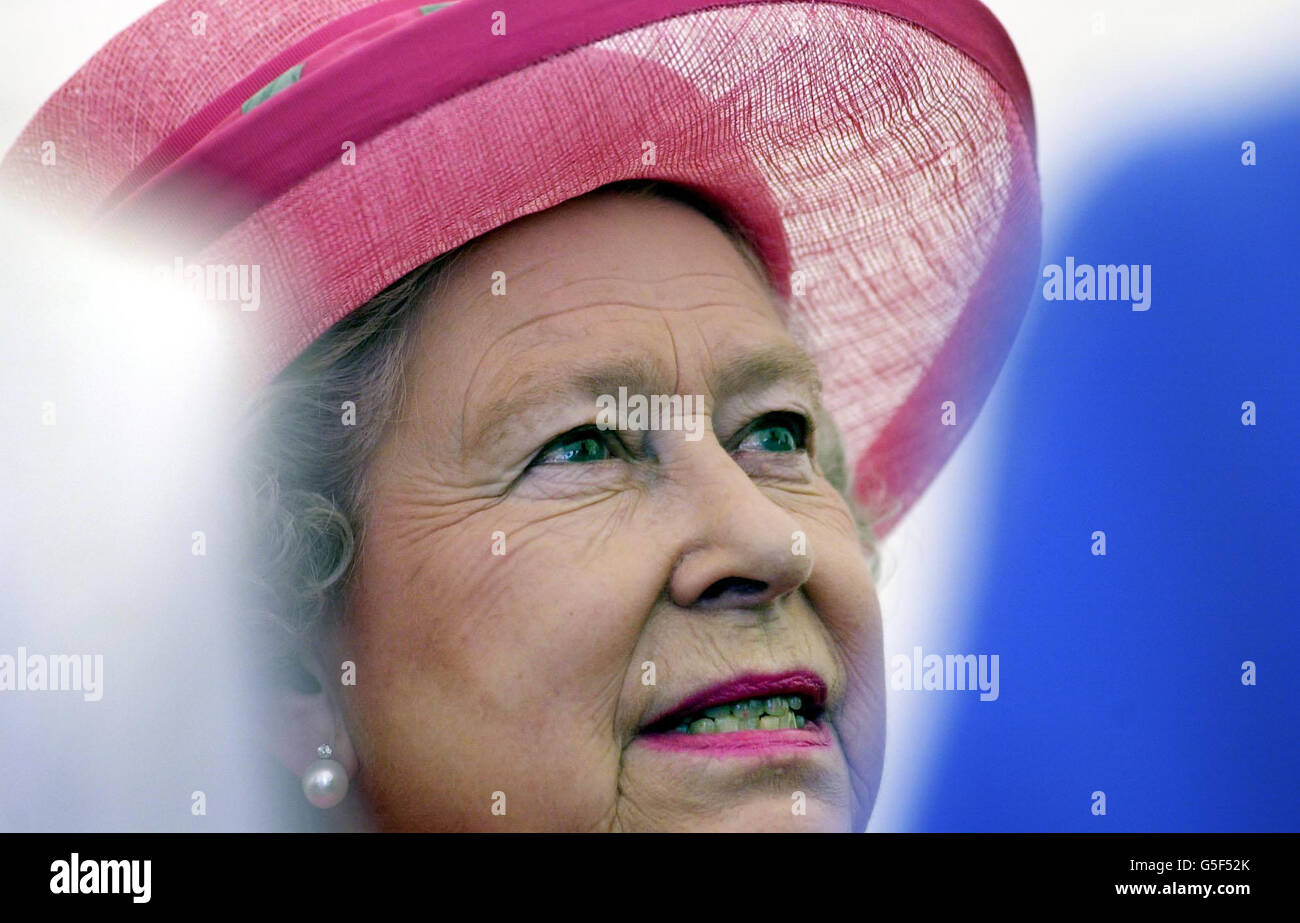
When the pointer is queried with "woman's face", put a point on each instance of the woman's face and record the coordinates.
(537, 603)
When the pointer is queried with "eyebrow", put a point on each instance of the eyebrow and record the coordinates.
(766, 367)
(639, 374)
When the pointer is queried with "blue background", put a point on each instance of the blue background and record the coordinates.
(1123, 673)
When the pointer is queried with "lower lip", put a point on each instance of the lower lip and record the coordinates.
(741, 743)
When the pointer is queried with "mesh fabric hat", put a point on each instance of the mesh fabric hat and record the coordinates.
(878, 154)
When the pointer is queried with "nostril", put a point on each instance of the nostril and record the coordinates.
(732, 587)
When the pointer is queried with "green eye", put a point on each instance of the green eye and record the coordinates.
(585, 445)
(781, 432)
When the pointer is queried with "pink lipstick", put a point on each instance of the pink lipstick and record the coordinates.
(745, 715)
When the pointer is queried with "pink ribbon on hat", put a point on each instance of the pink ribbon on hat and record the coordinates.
(370, 69)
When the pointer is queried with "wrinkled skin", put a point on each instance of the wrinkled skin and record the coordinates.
(522, 673)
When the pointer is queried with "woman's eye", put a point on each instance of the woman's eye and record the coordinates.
(582, 445)
(776, 432)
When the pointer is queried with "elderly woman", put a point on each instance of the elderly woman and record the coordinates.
(552, 523)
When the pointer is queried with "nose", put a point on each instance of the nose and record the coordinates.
(740, 549)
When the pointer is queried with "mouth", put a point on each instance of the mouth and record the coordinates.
(789, 702)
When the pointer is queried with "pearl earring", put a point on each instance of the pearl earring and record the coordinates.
(326, 781)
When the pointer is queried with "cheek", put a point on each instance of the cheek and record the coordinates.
(844, 596)
(504, 665)
(512, 598)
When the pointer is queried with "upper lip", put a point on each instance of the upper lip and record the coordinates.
(804, 683)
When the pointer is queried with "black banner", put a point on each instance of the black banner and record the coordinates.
(320, 873)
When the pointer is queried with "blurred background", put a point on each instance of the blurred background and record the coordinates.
(1122, 674)
(1118, 674)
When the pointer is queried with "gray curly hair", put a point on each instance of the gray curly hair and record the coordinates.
(305, 473)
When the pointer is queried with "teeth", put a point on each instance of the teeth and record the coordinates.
(772, 714)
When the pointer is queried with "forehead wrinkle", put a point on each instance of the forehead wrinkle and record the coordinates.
(478, 368)
(542, 320)
(499, 415)
(730, 280)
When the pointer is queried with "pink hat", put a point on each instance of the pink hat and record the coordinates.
(879, 154)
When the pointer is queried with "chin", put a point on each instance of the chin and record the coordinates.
(770, 815)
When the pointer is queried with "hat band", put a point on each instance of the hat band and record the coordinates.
(381, 65)
(218, 111)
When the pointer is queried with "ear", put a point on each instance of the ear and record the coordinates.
(306, 712)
